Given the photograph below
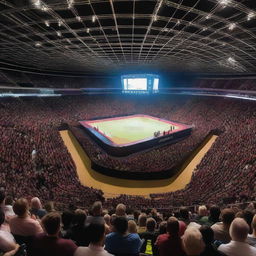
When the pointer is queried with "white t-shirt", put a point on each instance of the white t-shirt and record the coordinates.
(235, 248)
(91, 250)
(7, 241)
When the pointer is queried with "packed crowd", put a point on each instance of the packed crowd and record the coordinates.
(229, 84)
(28, 228)
(226, 173)
(13, 78)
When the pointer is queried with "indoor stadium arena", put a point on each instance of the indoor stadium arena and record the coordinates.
(127, 128)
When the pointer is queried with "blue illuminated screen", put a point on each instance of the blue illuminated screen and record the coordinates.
(141, 82)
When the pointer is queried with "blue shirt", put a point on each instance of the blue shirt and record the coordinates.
(117, 243)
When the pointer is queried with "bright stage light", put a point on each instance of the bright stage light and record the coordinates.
(250, 16)
(224, 3)
(232, 26)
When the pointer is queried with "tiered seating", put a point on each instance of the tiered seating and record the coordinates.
(226, 172)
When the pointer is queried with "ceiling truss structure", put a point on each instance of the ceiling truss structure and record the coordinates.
(112, 35)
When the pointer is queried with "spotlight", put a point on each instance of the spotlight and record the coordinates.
(232, 26)
(59, 23)
(78, 18)
(155, 18)
(88, 30)
(59, 34)
(224, 3)
(250, 16)
(37, 4)
(44, 8)
(93, 18)
(38, 44)
(47, 24)
(231, 60)
(70, 3)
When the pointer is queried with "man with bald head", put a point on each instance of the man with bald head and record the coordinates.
(239, 230)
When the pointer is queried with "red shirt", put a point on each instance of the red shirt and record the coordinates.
(169, 246)
(52, 246)
(183, 227)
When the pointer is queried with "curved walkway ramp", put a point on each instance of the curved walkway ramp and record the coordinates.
(113, 187)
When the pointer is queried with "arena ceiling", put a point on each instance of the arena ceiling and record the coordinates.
(111, 35)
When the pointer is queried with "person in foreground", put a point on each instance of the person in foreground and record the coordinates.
(208, 238)
(120, 242)
(22, 224)
(193, 242)
(97, 239)
(49, 243)
(239, 230)
(7, 242)
(251, 239)
(170, 243)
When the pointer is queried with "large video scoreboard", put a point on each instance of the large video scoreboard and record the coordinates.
(140, 83)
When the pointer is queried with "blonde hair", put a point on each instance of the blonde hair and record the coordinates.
(120, 210)
(193, 241)
(132, 227)
(202, 210)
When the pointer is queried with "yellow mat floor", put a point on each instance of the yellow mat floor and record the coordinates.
(132, 128)
(113, 187)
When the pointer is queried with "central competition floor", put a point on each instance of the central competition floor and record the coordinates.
(131, 129)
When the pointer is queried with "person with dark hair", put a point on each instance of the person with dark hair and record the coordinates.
(49, 207)
(149, 238)
(2, 197)
(251, 239)
(208, 238)
(8, 209)
(120, 241)
(170, 243)
(184, 215)
(49, 242)
(221, 229)
(66, 218)
(162, 228)
(214, 216)
(97, 237)
(247, 215)
(78, 232)
(6, 205)
(96, 213)
(22, 224)
(7, 241)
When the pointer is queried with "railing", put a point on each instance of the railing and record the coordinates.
(46, 92)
